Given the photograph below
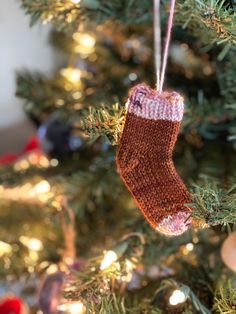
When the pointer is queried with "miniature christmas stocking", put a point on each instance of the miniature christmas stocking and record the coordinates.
(144, 158)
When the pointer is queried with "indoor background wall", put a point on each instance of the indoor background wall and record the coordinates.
(20, 47)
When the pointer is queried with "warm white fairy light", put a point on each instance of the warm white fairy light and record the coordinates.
(73, 75)
(53, 268)
(72, 308)
(85, 43)
(42, 187)
(133, 77)
(109, 258)
(177, 297)
(85, 39)
(41, 192)
(75, 1)
(5, 248)
(190, 247)
(77, 95)
(32, 244)
(32, 159)
(35, 244)
(54, 162)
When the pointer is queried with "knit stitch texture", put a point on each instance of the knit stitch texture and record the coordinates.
(144, 158)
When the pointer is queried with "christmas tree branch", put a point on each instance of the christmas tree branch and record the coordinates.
(104, 121)
(224, 301)
(207, 118)
(213, 20)
(106, 277)
(41, 95)
(214, 205)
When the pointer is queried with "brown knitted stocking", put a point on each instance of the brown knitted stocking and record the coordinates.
(144, 159)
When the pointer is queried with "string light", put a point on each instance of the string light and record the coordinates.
(42, 187)
(5, 248)
(109, 258)
(28, 192)
(54, 162)
(190, 247)
(32, 159)
(53, 268)
(72, 308)
(77, 95)
(75, 1)
(71, 74)
(177, 297)
(85, 43)
(86, 40)
(133, 77)
(32, 244)
(35, 244)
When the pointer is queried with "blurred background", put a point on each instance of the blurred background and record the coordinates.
(72, 239)
(21, 47)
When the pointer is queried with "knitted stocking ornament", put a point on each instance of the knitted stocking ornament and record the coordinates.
(144, 158)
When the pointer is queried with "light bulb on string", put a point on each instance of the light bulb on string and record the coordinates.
(177, 297)
(109, 258)
(75, 1)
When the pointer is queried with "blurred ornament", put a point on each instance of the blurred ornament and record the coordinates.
(154, 272)
(50, 294)
(228, 251)
(136, 48)
(135, 282)
(32, 146)
(12, 305)
(57, 139)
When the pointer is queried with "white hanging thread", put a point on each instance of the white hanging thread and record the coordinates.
(160, 71)
(157, 41)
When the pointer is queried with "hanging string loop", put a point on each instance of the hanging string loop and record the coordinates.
(161, 69)
(157, 41)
